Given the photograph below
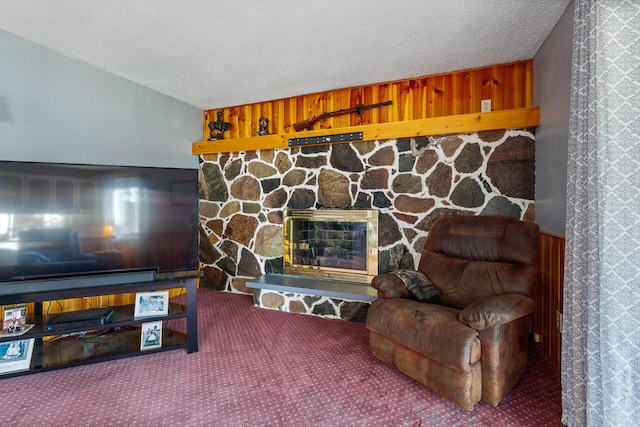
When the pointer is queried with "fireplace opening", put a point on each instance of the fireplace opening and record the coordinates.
(335, 244)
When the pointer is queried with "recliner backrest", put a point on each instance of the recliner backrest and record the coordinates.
(469, 258)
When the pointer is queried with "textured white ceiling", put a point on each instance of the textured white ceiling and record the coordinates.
(221, 53)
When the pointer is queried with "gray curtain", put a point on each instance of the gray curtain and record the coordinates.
(601, 333)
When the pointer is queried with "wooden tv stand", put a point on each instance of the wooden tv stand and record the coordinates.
(120, 338)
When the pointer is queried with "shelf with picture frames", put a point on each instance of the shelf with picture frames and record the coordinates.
(122, 334)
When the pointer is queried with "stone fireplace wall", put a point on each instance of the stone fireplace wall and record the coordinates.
(411, 182)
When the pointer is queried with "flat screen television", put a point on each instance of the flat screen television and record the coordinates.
(68, 219)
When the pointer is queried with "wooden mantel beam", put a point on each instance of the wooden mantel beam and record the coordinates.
(446, 125)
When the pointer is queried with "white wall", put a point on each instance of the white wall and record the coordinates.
(552, 92)
(53, 108)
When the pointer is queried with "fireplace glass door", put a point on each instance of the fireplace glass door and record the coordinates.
(333, 244)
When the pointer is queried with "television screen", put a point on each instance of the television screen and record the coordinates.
(58, 219)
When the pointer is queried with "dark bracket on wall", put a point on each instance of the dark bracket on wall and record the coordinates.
(326, 139)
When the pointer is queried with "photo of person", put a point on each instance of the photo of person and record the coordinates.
(14, 319)
(15, 355)
(151, 335)
(152, 303)
(12, 350)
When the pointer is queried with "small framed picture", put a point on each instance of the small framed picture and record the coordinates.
(150, 304)
(14, 319)
(151, 335)
(15, 355)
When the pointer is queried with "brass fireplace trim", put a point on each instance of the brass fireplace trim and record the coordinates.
(370, 217)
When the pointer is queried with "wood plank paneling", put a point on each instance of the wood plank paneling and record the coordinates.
(509, 86)
(549, 293)
(497, 85)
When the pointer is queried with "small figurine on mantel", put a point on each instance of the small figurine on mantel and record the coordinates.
(263, 123)
(218, 128)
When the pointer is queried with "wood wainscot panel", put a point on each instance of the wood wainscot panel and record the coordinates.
(549, 294)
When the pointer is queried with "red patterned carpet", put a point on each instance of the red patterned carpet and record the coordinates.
(258, 367)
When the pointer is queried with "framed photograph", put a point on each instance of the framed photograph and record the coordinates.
(15, 356)
(14, 321)
(151, 304)
(14, 318)
(151, 335)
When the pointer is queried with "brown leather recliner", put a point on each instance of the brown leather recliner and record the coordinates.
(471, 342)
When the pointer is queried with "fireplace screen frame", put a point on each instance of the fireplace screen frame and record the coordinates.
(364, 275)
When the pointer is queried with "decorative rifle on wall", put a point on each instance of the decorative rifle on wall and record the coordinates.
(358, 109)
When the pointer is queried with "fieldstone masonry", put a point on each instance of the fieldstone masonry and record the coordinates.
(410, 181)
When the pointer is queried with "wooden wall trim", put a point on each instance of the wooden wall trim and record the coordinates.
(549, 293)
(455, 94)
(474, 122)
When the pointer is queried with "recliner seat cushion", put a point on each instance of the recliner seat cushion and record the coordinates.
(431, 330)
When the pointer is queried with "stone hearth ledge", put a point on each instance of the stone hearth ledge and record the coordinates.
(314, 286)
(314, 296)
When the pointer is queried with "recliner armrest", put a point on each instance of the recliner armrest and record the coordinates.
(390, 286)
(497, 310)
